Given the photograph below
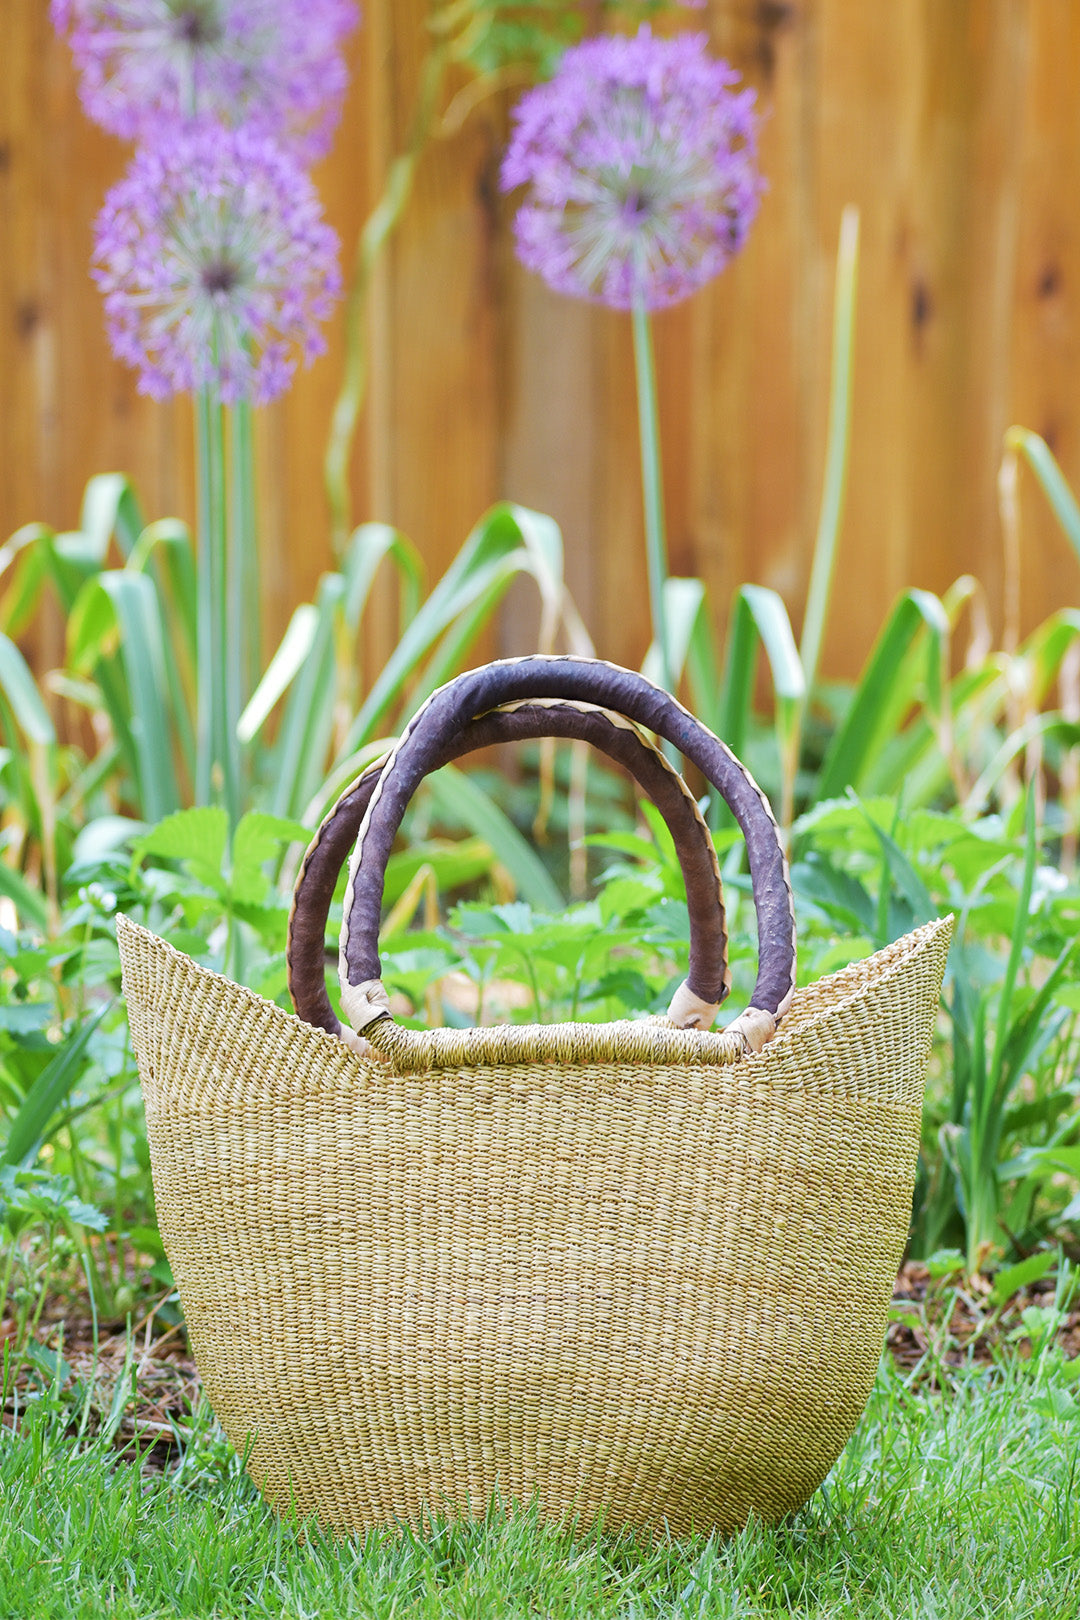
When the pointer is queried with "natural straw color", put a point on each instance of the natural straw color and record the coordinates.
(653, 1291)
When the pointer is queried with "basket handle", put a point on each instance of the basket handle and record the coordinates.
(708, 980)
(587, 680)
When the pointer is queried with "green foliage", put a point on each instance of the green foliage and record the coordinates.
(493, 37)
(960, 1507)
(43, 1223)
(131, 667)
(1020, 441)
(1004, 1089)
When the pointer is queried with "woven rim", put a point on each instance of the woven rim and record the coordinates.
(820, 1013)
(708, 980)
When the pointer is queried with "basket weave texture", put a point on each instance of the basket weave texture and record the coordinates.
(653, 1292)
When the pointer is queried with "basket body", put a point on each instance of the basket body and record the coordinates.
(655, 1294)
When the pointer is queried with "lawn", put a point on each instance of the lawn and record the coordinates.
(948, 1503)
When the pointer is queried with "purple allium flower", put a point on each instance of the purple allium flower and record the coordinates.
(275, 64)
(216, 264)
(641, 161)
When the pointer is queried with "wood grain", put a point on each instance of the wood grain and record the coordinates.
(954, 129)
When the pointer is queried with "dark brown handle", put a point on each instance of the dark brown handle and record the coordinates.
(708, 980)
(451, 708)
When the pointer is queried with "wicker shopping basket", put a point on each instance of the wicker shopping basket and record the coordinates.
(635, 1271)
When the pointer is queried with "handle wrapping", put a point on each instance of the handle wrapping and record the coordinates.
(590, 681)
(708, 980)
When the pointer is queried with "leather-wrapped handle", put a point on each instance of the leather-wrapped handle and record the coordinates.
(708, 979)
(586, 680)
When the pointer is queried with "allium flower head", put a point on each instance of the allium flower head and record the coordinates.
(275, 64)
(216, 264)
(640, 156)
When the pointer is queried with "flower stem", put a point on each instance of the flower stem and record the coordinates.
(652, 485)
(215, 762)
(243, 649)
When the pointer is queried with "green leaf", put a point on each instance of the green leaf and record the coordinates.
(1016, 946)
(1016, 743)
(92, 629)
(197, 836)
(28, 902)
(1051, 480)
(836, 448)
(290, 657)
(882, 698)
(165, 551)
(19, 687)
(516, 916)
(481, 562)
(945, 1263)
(759, 618)
(28, 556)
(259, 838)
(30, 1126)
(25, 1017)
(625, 895)
(119, 611)
(109, 507)
(690, 625)
(369, 546)
(307, 723)
(142, 643)
(461, 798)
(454, 865)
(165, 554)
(1013, 1278)
(1049, 1159)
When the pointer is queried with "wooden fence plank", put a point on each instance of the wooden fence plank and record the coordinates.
(954, 129)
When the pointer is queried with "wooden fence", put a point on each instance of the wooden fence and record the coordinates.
(951, 123)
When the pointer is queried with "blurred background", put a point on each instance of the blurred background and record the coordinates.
(951, 124)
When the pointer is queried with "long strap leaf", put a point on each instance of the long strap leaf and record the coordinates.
(879, 697)
(759, 617)
(458, 795)
(1020, 441)
(30, 1126)
(469, 575)
(142, 640)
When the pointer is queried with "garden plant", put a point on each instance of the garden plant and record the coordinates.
(170, 770)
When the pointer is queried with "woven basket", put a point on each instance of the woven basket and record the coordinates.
(637, 1271)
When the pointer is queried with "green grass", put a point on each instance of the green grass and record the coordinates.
(942, 1507)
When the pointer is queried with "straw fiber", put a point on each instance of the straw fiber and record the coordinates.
(651, 1290)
